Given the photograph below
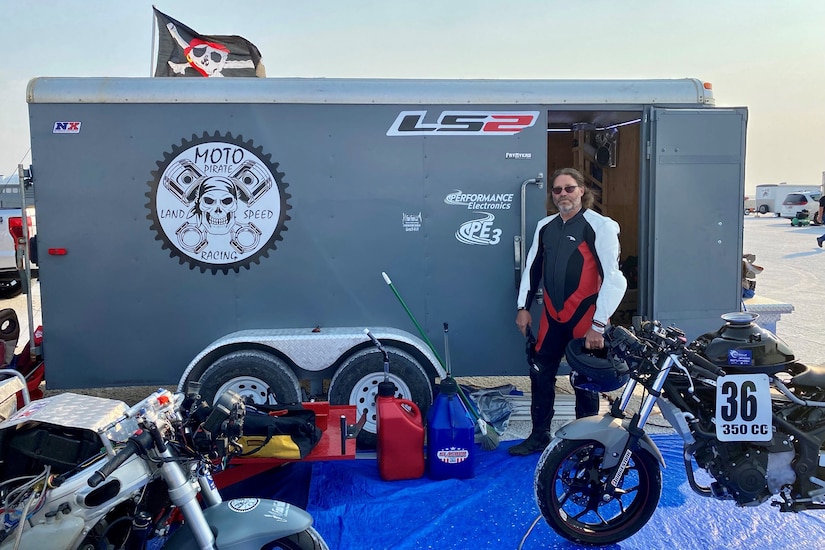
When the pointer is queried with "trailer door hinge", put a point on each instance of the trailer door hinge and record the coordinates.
(648, 150)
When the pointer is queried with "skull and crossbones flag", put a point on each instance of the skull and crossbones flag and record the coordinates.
(183, 52)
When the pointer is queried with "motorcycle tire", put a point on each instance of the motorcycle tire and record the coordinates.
(570, 487)
(309, 539)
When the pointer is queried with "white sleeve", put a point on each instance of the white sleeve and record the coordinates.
(614, 284)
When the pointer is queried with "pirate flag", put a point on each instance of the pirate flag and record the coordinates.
(183, 52)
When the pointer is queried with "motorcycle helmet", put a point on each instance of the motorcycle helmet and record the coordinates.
(595, 369)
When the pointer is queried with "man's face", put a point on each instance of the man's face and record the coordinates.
(567, 202)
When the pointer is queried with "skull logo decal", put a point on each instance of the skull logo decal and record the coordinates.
(207, 58)
(218, 203)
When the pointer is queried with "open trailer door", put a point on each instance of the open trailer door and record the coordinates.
(692, 215)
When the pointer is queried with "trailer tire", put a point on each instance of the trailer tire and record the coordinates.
(10, 289)
(763, 208)
(356, 383)
(253, 374)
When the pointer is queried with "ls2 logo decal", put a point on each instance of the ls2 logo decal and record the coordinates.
(463, 123)
(479, 231)
(218, 203)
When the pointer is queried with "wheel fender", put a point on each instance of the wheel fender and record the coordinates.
(609, 432)
(245, 523)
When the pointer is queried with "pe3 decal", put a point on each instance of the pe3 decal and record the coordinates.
(479, 231)
(218, 203)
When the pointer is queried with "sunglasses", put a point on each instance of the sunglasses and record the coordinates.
(567, 189)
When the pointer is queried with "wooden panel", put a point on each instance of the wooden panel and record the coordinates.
(616, 190)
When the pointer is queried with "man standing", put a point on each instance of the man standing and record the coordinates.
(576, 254)
(820, 220)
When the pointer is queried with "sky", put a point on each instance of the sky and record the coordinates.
(766, 55)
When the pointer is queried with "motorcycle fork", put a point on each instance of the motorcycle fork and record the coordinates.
(184, 495)
(637, 423)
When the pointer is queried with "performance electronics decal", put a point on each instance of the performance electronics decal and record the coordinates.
(218, 203)
(480, 230)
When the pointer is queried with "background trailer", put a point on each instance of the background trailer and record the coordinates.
(173, 213)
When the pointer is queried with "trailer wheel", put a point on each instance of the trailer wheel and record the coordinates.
(763, 208)
(253, 374)
(10, 289)
(356, 383)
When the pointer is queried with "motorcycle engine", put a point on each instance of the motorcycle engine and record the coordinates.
(748, 473)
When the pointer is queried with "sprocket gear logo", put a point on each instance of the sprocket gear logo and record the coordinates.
(218, 203)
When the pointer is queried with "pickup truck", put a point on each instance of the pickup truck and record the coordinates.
(11, 231)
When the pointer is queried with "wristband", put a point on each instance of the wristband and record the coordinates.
(598, 324)
(597, 328)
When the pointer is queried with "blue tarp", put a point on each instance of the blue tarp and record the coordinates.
(355, 510)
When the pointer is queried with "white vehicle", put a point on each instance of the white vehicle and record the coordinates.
(750, 205)
(11, 234)
(795, 203)
(769, 196)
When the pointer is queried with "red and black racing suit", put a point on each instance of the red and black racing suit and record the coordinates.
(577, 261)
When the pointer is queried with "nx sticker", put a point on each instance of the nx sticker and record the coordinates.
(463, 123)
(66, 128)
(217, 203)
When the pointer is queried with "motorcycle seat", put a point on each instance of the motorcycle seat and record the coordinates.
(810, 377)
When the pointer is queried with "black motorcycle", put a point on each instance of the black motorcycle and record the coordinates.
(750, 416)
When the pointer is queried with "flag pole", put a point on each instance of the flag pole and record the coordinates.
(152, 60)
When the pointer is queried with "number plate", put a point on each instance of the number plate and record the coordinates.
(743, 408)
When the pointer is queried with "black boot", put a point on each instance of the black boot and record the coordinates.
(536, 442)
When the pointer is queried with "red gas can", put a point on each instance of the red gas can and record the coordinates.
(400, 430)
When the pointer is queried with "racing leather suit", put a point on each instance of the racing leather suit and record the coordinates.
(578, 262)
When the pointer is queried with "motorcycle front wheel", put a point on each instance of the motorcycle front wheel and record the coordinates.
(309, 539)
(572, 492)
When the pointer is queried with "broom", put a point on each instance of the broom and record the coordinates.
(489, 437)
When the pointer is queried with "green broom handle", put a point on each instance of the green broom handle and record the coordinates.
(461, 393)
(412, 318)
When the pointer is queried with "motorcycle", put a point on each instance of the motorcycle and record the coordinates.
(88, 472)
(750, 415)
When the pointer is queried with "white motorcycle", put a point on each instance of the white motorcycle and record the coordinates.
(88, 472)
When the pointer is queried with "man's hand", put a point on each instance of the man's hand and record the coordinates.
(593, 339)
(524, 320)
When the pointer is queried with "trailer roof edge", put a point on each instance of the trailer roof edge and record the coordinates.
(685, 91)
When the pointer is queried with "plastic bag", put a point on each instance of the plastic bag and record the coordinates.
(494, 407)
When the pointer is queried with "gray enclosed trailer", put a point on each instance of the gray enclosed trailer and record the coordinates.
(235, 231)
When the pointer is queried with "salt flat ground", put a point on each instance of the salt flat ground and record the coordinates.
(794, 273)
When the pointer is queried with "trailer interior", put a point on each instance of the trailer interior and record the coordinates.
(605, 146)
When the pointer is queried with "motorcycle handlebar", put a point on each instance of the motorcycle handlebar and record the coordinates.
(621, 336)
(139, 442)
(673, 341)
(704, 365)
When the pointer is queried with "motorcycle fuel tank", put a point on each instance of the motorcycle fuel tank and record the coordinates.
(742, 345)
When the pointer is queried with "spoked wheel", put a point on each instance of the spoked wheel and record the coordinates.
(577, 499)
(310, 539)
